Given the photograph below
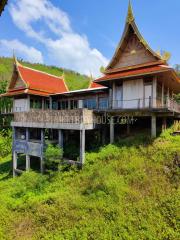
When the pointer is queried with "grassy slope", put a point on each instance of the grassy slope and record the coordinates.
(74, 80)
(126, 191)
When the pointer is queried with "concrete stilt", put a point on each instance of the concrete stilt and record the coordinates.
(42, 154)
(103, 134)
(82, 146)
(60, 138)
(153, 126)
(112, 130)
(27, 162)
(14, 163)
(128, 129)
(164, 124)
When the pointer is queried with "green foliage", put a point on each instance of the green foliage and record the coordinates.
(73, 79)
(127, 191)
(177, 98)
(5, 143)
(53, 156)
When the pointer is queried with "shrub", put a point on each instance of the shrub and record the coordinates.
(53, 156)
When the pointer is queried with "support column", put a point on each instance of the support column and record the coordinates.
(97, 101)
(29, 103)
(153, 126)
(112, 130)
(14, 154)
(14, 163)
(110, 98)
(60, 138)
(82, 146)
(50, 103)
(103, 134)
(113, 95)
(128, 128)
(162, 100)
(27, 162)
(42, 154)
(27, 156)
(43, 103)
(164, 124)
(154, 92)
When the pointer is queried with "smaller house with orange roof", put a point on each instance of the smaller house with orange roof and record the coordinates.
(138, 87)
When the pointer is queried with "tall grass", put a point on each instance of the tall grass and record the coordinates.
(125, 191)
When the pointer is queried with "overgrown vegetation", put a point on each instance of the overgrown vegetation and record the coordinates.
(53, 156)
(125, 191)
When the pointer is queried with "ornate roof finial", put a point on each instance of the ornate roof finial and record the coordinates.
(63, 75)
(15, 59)
(130, 15)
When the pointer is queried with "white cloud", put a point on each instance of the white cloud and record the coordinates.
(27, 53)
(69, 49)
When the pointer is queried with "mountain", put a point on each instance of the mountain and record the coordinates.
(73, 79)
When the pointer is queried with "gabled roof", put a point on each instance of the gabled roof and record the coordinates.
(35, 82)
(94, 85)
(135, 72)
(132, 35)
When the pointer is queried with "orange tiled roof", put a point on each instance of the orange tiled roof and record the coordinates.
(24, 91)
(41, 81)
(134, 72)
(95, 85)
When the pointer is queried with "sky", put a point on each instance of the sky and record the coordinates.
(82, 35)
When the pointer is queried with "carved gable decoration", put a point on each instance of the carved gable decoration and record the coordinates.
(16, 81)
(19, 83)
(132, 50)
(134, 53)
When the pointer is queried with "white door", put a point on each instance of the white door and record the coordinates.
(133, 93)
(118, 97)
(147, 96)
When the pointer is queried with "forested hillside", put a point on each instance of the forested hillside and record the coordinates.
(127, 191)
(73, 79)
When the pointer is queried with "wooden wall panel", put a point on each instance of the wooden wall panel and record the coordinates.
(134, 53)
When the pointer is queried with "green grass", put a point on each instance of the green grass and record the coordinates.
(129, 190)
(73, 79)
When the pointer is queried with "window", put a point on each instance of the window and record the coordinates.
(36, 103)
(55, 105)
(74, 104)
(103, 103)
(62, 105)
(89, 103)
(46, 104)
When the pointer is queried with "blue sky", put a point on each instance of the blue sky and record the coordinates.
(82, 34)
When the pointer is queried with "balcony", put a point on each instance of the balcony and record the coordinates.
(74, 119)
(147, 104)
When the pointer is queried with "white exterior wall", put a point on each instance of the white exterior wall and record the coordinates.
(21, 105)
(133, 93)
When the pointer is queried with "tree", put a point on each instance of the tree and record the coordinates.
(2, 5)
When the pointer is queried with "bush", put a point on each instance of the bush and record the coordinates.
(53, 156)
(5, 143)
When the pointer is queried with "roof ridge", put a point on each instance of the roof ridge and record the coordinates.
(52, 75)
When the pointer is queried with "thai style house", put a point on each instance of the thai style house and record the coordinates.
(136, 83)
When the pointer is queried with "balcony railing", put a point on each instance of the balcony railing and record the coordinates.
(73, 116)
(146, 103)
